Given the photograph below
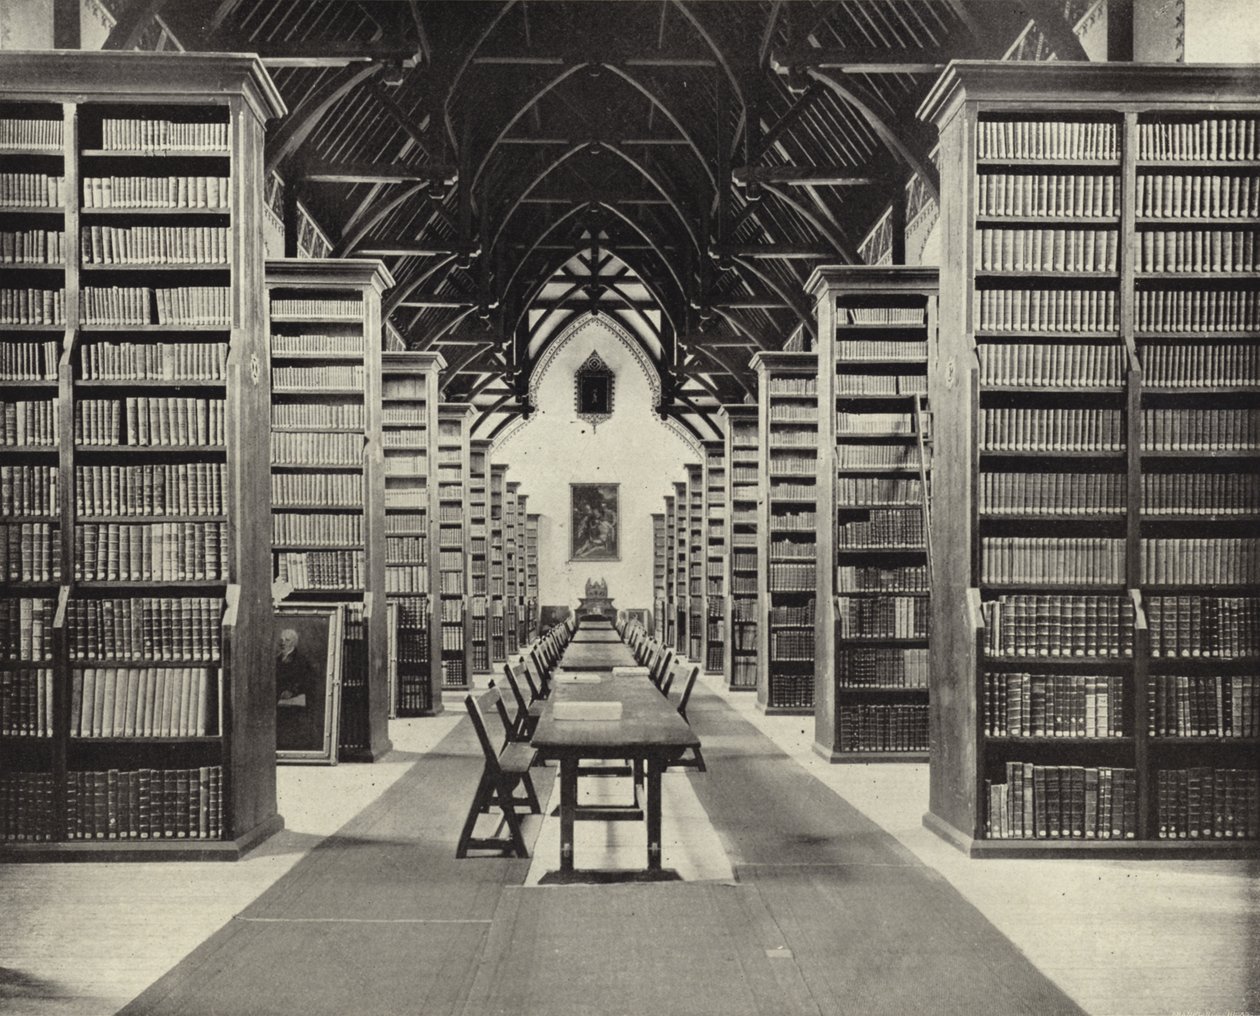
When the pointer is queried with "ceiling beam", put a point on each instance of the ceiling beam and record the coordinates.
(369, 172)
(279, 52)
(132, 23)
(371, 248)
(295, 128)
(558, 141)
(817, 176)
(786, 251)
(870, 59)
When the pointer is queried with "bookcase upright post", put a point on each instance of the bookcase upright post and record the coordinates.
(112, 365)
(1096, 574)
(741, 569)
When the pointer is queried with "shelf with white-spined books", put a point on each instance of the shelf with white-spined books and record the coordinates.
(1098, 467)
(131, 342)
(741, 567)
(324, 322)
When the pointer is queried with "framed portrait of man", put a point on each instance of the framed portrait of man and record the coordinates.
(595, 521)
(308, 639)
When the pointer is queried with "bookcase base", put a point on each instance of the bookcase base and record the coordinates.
(770, 710)
(838, 757)
(366, 754)
(732, 686)
(1182, 850)
(110, 851)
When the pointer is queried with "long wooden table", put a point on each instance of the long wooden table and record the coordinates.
(650, 733)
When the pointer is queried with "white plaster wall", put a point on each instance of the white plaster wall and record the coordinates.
(554, 448)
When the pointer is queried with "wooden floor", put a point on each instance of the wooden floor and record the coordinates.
(1116, 937)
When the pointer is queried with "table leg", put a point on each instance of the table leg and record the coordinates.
(568, 810)
(654, 814)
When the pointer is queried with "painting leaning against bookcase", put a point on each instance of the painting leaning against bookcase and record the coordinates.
(1096, 586)
(328, 470)
(787, 517)
(136, 586)
(876, 326)
(740, 610)
(410, 387)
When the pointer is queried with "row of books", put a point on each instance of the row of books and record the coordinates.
(1046, 310)
(1039, 560)
(791, 645)
(162, 136)
(26, 629)
(1045, 429)
(781, 550)
(150, 420)
(1197, 195)
(410, 465)
(1047, 139)
(881, 384)
(1200, 429)
(16, 132)
(318, 415)
(1054, 705)
(1212, 139)
(410, 438)
(395, 416)
(411, 550)
(1201, 493)
(1062, 802)
(1207, 803)
(883, 727)
(145, 629)
(1196, 561)
(875, 423)
(782, 463)
(27, 424)
(884, 527)
(875, 579)
(32, 306)
(152, 552)
(173, 192)
(1200, 366)
(1052, 366)
(26, 703)
(322, 569)
(451, 583)
(793, 386)
(283, 378)
(317, 308)
(1197, 310)
(140, 305)
(315, 530)
(154, 245)
(878, 490)
(185, 488)
(876, 456)
(885, 315)
(804, 438)
(790, 578)
(1200, 250)
(1214, 627)
(794, 412)
(140, 702)
(453, 672)
(791, 491)
(792, 614)
(316, 448)
(307, 343)
(883, 617)
(30, 552)
(1052, 494)
(868, 350)
(452, 638)
(33, 247)
(156, 361)
(409, 579)
(29, 361)
(1046, 250)
(400, 523)
(32, 190)
(1203, 705)
(1058, 625)
(316, 490)
(28, 490)
(795, 522)
(882, 667)
(1047, 195)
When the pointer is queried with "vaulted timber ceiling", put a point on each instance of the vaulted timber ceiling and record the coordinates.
(679, 163)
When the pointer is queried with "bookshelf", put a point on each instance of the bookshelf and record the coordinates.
(876, 326)
(511, 567)
(669, 615)
(658, 574)
(787, 421)
(713, 539)
(478, 558)
(522, 572)
(409, 401)
(742, 485)
(498, 576)
(679, 566)
(453, 529)
(1095, 625)
(695, 562)
(531, 576)
(115, 367)
(328, 469)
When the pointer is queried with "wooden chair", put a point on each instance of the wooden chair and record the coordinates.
(695, 760)
(505, 769)
(661, 665)
(527, 713)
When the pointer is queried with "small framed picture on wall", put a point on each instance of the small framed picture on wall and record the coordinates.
(595, 521)
(308, 681)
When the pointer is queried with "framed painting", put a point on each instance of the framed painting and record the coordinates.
(595, 521)
(308, 681)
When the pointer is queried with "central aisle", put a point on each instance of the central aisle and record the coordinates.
(827, 914)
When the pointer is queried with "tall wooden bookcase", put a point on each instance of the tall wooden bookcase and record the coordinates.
(1096, 623)
(679, 566)
(324, 319)
(742, 585)
(410, 393)
(532, 520)
(658, 574)
(787, 420)
(511, 567)
(452, 546)
(695, 562)
(713, 539)
(876, 326)
(498, 576)
(479, 555)
(669, 615)
(116, 368)
(522, 572)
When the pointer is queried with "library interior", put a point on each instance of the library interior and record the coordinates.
(564, 507)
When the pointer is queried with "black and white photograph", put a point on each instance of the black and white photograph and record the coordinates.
(629, 507)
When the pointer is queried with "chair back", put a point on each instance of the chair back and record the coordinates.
(686, 692)
(543, 674)
(661, 666)
(478, 708)
(522, 708)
